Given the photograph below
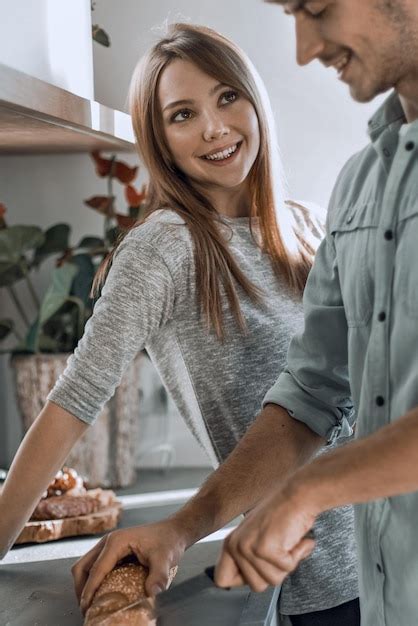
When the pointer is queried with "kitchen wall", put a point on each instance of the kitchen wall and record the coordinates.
(49, 39)
(319, 127)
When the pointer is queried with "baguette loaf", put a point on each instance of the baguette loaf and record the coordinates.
(123, 586)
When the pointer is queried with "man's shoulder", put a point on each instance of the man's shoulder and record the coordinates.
(352, 182)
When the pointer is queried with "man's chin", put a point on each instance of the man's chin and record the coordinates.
(363, 95)
(360, 95)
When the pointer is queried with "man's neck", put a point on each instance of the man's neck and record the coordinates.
(408, 95)
(410, 108)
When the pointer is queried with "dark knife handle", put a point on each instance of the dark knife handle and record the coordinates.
(210, 572)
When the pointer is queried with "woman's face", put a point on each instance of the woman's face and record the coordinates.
(211, 130)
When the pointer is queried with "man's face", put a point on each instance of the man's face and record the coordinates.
(371, 43)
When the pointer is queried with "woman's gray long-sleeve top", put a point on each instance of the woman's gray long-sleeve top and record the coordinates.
(149, 300)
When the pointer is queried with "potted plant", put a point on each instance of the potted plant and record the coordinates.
(106, 453)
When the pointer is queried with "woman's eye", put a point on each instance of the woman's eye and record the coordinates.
(182, 116)
(228, 97)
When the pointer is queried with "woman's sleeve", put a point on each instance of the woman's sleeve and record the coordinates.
(137, 299)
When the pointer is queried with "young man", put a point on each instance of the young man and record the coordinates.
(361, 329)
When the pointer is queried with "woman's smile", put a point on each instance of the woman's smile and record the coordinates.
(223, 156)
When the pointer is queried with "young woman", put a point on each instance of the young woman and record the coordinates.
(210, 283)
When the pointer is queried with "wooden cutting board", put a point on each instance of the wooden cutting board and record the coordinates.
(99, 522)
(92, 524)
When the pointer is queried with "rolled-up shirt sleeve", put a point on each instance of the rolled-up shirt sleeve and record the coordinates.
(314, 387)
(136, 300)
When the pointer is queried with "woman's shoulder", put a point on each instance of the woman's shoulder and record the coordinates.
(164, 234)
(164, 228)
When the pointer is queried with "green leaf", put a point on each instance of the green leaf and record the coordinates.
(49, 344)
(58, 291)
(100, 36)
(57, 240)
(55, 297)
(134, 211)
(63, 330)
(30, 343)
(112, 235)
(6, 327)
(16, 240)
(10, 273)
(81, 316)
(91, 242)
(84, 278)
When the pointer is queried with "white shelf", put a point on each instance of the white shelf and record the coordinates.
(37, 117)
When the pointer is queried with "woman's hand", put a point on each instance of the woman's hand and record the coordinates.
(267, 545)
(158, 546)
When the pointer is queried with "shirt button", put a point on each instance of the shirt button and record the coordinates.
(382, 316)
(380, 401)
(386, 152)
(349, 219)
(388, 235)
(410, 145)
(379, 568)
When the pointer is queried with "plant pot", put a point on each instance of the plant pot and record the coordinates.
(106, 453)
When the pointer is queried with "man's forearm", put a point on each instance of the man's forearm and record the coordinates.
(381, 465)
(274, 447)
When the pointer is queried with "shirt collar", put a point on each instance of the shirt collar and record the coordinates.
(390, 112)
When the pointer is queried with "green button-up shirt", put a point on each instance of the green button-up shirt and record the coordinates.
(358, 353)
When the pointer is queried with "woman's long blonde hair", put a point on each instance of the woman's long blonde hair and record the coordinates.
(279, 236)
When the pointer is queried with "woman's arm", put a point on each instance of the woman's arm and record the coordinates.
(136, 301)
(40, 455)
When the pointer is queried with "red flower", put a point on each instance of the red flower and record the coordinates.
(124, 173)
(103, 166)
(133, 197)
(125, 222)
(3, 211)
(117, 169)
(101, 204)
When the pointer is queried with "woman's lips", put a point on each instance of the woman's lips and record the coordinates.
(225, 161)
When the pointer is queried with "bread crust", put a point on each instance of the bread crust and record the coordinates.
(121, 587)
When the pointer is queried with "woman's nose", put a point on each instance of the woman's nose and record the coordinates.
(215, 128)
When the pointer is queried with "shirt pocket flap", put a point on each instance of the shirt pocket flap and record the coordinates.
(352, 218)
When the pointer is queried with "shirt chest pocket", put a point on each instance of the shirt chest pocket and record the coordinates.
(354, 231)
(406, 263)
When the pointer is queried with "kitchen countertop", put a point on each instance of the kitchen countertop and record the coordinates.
(36, 586)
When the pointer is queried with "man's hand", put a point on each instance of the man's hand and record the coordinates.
(267, 545)
(158, 546)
